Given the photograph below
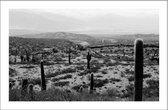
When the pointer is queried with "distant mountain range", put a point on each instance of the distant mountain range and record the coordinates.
(76, 38)
(127, 36)
(86, 38)
(16, 32)
(109, 23)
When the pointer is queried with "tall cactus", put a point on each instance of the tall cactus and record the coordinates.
(123, 52)
(43, 82)
(69, 56)
(21, 57)
(88, 60)
(91, 83)
(10, 86)
(24, 86)
(138, 86)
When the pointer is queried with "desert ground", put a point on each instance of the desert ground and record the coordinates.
(112, 67)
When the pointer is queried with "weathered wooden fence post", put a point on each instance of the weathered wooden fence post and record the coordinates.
(88, 60)
(138, 85)
(91, 83)
(43, 82)
(69, 56)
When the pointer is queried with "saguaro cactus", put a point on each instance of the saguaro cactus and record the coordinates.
(21, 57)
(69, 56)
(91, 83)
(24, 86)
(43, 82)
(123, 52)
(88, 60)
(31, 92)
(10, 86)
(138, 86)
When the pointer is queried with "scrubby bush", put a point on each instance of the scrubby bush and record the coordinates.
(63, 77)
(68, 70)
(63, 83)
(104, 72)
(100, 83)
(49, 75)
(114, 80)
(35, 81)
(12, 72)
(147, 75)
(28, 66)
(153, 88)
(77, 87)
(131, 78)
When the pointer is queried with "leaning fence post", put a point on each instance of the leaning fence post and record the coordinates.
(138, 85)
(43, 82)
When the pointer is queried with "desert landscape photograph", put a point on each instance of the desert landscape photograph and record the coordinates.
(84, 54)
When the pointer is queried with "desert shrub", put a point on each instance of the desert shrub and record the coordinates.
(12, 72)
(77, 87)
(114, 80)
(12, 80)
(63, 77)
(122, 74)
(15, 95)
(47, 63)
(131, 78)
(95, 68)
(104, 72)
(106, 60)
(36, 81)
(98, 76)
(129, 91)
(85, 72)
(80, 67)
(28, 66)
(100, 83)
(49, 75)
(57, 59)
(127, 59)
(153, 88)
(54, 94)
(147, 75)
(68, 70)
(110, 64)
(94, 62)
(64, 83)
(127, 71)
(112, 92)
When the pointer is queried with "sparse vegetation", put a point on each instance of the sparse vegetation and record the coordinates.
(49, 75)
(12, 72)
(111, 65)
(100, 83)
(63, 77)
(63, 83)
(114, 80)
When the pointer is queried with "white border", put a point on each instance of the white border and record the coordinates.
(6, 5)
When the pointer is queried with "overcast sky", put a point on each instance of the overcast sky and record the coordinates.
(88, 13)
(113, 21)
